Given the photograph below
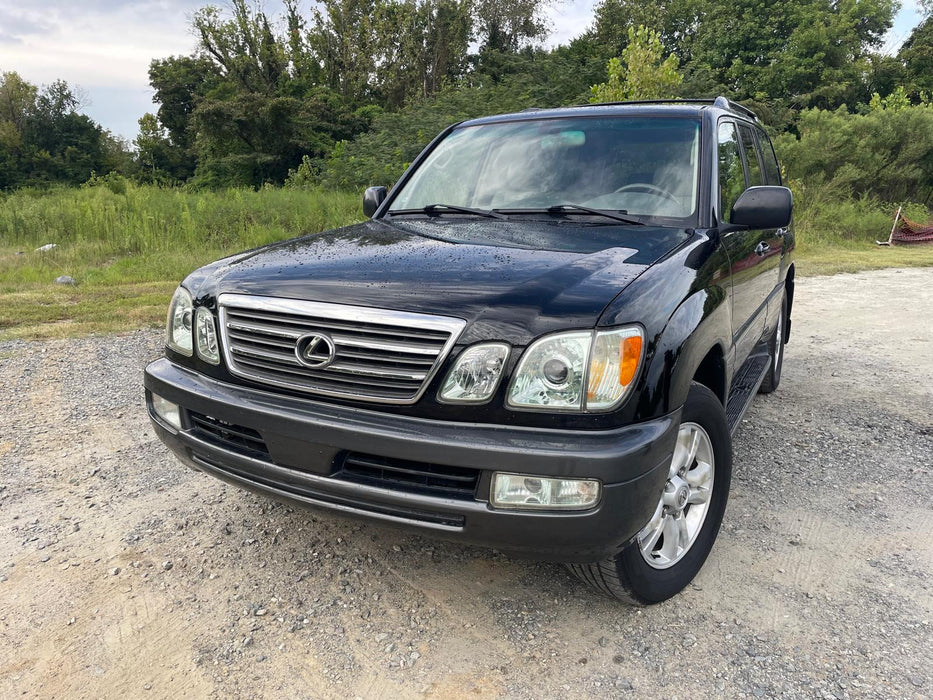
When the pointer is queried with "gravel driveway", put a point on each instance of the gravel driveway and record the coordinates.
(123, 574)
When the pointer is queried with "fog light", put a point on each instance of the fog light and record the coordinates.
(521, 491)
(167, 411)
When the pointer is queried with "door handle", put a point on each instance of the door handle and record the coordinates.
(762, 248)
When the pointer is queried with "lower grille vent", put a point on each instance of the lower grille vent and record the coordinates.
(258, 478)
(232, 437)
(408, 476)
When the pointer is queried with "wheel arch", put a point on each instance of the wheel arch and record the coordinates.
(711, 372)
(789, 291)
(694, 347)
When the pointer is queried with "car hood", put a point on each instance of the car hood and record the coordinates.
(510, 280)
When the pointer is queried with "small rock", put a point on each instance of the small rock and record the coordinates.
(66, 280)
(167, 565)
(603, 642)
(114, 571)
(689, 640)
(260, 612)
(148, 686)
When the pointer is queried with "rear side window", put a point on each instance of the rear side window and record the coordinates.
(750, 148)
(772, 170)
(731, 177)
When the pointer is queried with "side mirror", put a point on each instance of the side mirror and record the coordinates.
(767, 206)
(372, 198)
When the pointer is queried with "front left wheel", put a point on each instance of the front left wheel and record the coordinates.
(672, 547)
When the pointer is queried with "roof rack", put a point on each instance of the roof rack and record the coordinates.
(720, 102)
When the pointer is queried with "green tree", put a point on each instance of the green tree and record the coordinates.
(508, 25)
(44, 139)
(646, 73)
(917, 56)
(886, 153)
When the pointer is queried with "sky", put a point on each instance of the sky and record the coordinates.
(103, 47)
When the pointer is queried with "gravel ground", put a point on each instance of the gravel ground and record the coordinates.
(124, 574)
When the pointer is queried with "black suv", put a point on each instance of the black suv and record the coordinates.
(541, 341)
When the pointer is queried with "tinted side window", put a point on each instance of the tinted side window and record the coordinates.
(772, 171)
(752, 167)
(731, 177)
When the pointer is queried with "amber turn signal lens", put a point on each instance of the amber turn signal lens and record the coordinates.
(631, 355)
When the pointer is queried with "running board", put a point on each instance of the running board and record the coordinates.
(744, 387)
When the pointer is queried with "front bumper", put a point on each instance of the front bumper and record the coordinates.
(306, 438)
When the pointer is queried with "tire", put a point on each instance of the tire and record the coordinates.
(664, 569)
(773, 376)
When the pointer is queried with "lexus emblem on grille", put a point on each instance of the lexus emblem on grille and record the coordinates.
(315, 350)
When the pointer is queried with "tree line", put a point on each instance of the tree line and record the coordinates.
(346, 92)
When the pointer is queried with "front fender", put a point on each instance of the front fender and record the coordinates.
(700, 324)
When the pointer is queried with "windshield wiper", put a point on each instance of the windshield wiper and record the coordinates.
(571, 208)
(434, 209)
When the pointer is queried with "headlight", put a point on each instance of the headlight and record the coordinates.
(206, 332)
(475, 376)
(577, 371)
(524, 492)
(180, 317)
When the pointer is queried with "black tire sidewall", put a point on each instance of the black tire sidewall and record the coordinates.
(773, 377)
(654, 585)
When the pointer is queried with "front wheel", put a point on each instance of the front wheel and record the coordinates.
(672, 547)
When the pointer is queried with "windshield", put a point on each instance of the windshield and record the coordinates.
(641, 166)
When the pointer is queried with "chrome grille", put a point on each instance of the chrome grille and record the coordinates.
(375, 354)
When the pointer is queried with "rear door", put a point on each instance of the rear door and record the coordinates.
(770, 244)
(748, 250)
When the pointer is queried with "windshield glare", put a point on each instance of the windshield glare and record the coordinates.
(643, 166)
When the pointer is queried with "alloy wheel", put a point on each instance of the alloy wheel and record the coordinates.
(680, 514)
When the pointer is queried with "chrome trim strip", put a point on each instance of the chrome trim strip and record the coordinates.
(257, 317)
(341, 378)
(389, 345)
(341, 312)
(407, 323)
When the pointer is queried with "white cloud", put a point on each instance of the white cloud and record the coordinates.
(569, 19)
(103, 48)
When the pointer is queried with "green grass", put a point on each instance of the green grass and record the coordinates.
(128, 246)
(836, 236)
(128, 249)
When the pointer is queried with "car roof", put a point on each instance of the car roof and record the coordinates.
(653, 108)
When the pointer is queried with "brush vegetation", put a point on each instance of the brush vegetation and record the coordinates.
(127, 246)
